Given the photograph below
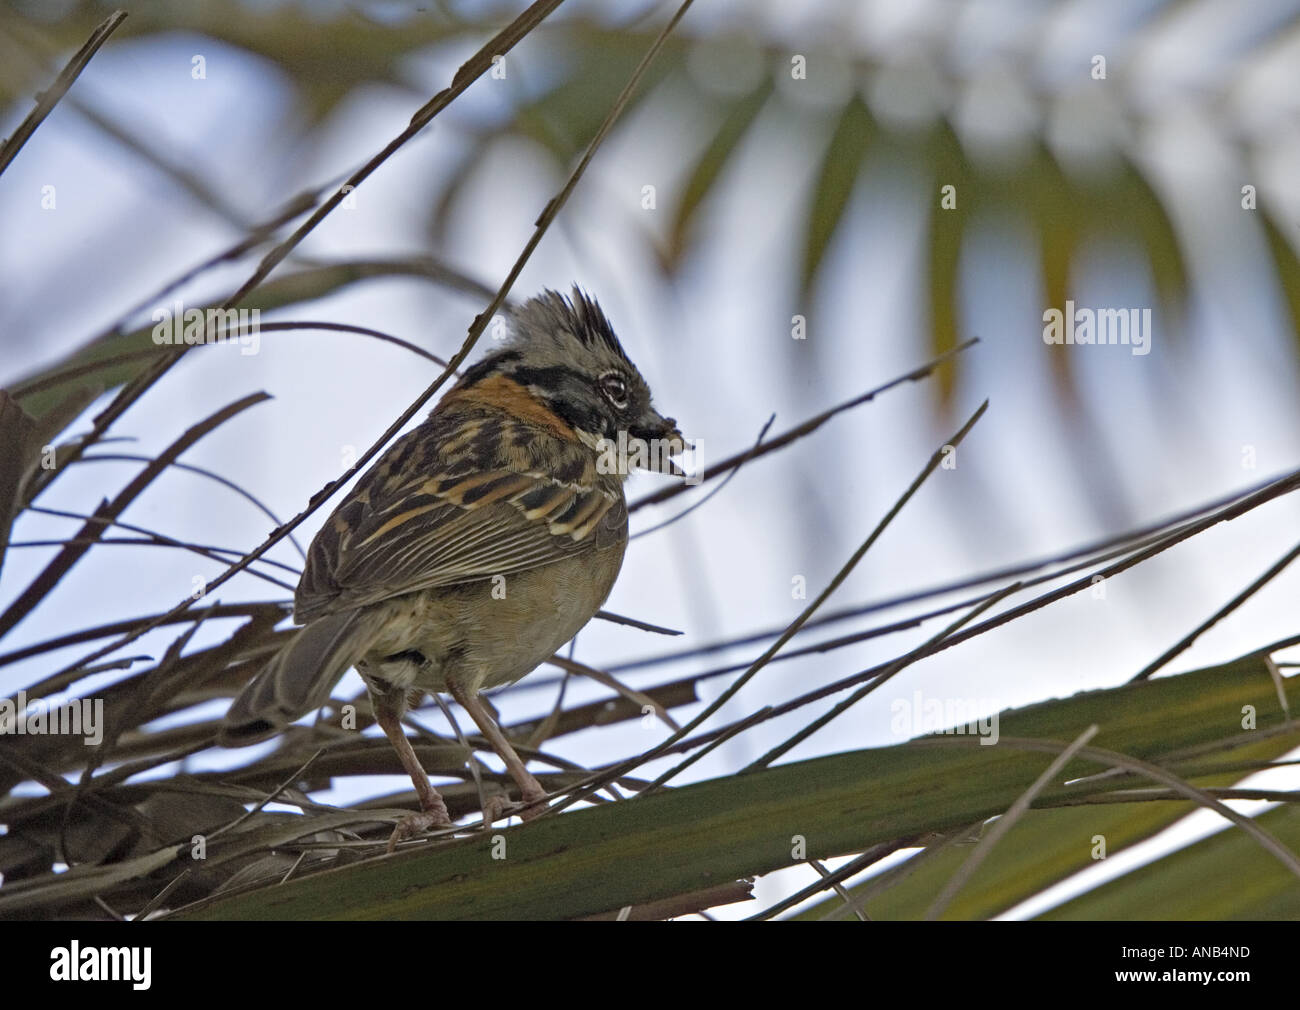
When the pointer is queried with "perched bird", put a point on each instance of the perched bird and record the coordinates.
(477, 545)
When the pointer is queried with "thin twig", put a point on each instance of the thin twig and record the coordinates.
(227, 610)
(799, 431)
(153, 536)
(617, 686)
(49, 576)
(895, 875)
(1187, 640)
(897, 666)
(257, 807)
(632, 622)
(49, 98)
(838, 888)
(58, 377)
(201, 471)
(154, 903)
(856, 865)
(725, 481)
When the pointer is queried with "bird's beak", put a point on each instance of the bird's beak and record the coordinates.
(664, 439)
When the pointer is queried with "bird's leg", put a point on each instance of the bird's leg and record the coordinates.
(389, 706)
(530, 789)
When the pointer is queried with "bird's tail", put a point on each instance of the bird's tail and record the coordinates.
(299, 678)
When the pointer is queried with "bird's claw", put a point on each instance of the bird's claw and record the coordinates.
(416, 824)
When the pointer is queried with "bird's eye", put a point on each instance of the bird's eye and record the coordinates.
(614, 388)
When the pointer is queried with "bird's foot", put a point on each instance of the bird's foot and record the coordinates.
(413, 825)
(494, 808)
(499, 806)
(534, 804)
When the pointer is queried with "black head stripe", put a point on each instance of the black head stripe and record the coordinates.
(578, 416)
(551, 379)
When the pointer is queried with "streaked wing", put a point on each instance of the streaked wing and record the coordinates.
(413, 523)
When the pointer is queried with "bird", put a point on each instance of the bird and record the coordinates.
(477, 545)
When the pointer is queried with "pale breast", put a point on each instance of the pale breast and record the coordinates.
(492, 632)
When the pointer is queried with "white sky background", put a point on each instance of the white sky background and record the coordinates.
(716, 348)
